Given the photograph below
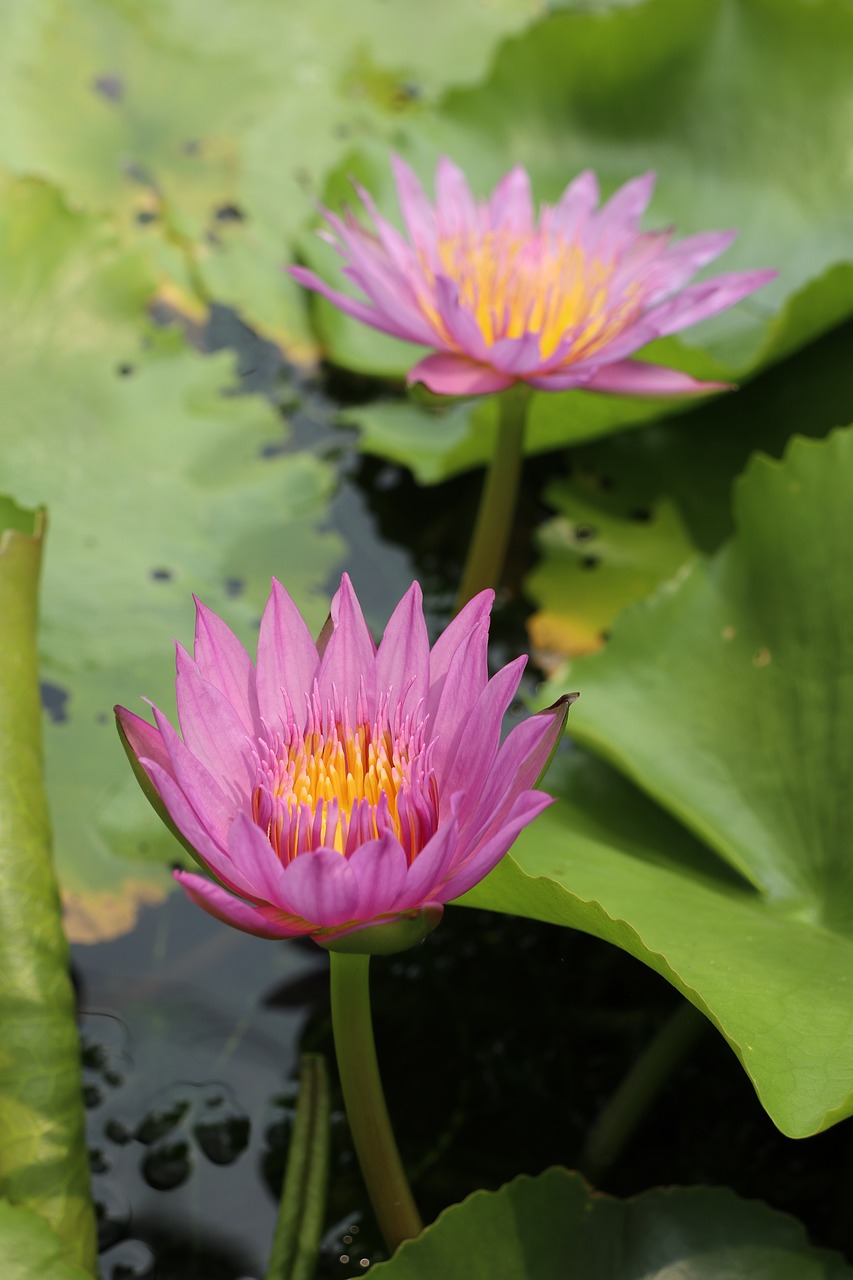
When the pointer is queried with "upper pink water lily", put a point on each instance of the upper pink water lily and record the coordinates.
(501, 298)
(339, 785)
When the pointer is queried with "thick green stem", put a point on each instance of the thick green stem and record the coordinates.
(367, 1113)
(296, 1242)
(487, 551)
(628, 1104)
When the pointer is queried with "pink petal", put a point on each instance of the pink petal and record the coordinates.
(455, 210)
(467, 620)
(525, 751)
(450, 375)
(526, 807)
(511, 205)
(619, 218)
(564, 378)
(394, 293)
(350, 657)
(682, 260)
(518, 357)
(212, 729)
(521, 758)
(417, 211)
(195, 833)
(635, 334)
(379, 867)
(461, 326)
(396, 326)
(705, 299)
(572, 211)
(466, 678)
(224, 906)
(222, 660)
(320, 887)
(143, 739)
(201, 790)
(636, 378)
(287, 660)
(402, 659)
(468, 767)
(256, 859)
(397, 248)
(426, 875)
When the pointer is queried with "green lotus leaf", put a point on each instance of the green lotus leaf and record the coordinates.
(158, 485)
(208, 131)
(551, 1226)
(638, 505)
(727, 697)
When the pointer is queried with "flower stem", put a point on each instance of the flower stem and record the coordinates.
(296, 1242)
(367, 1113)
(487, 551)
(632, 1097)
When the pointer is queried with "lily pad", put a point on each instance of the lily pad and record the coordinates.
(551, 1226)
(639, 505)
(595, 561)
(727, 697)
(157, 485)
(217, 126)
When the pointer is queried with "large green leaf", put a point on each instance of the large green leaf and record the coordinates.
(158, 486)
(553, 1226)
(638, 505)
(724, 99)
(219, 124)
(727, 696)
(31, 1249)
(42, 1140)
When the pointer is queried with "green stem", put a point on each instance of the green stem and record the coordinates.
(626, 1107)
(487, 551)
(367, 1113)
(296, 1242)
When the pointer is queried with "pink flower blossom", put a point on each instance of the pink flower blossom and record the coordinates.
(501, 298)
(337, 785)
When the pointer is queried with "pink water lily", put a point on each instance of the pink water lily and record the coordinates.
(340, 785)
(503, 298)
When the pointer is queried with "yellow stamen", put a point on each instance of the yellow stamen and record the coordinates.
(315, 770)
(512, 285)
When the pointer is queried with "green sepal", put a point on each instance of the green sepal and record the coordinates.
(398, 933)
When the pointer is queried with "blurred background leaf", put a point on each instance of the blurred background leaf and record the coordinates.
(158, 485)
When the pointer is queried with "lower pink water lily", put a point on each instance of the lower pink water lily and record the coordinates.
(501, 297)
(339, 785)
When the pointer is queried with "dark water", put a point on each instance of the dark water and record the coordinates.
(499, 1039)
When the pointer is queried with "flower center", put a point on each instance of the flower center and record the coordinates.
(513, 284)
(336, 786)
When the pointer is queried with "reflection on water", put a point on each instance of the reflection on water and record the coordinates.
(186, 1069)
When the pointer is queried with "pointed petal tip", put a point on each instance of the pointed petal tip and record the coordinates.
(564, 700)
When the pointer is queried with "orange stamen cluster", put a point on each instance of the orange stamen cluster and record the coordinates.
(335, 786)
(513, 284)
